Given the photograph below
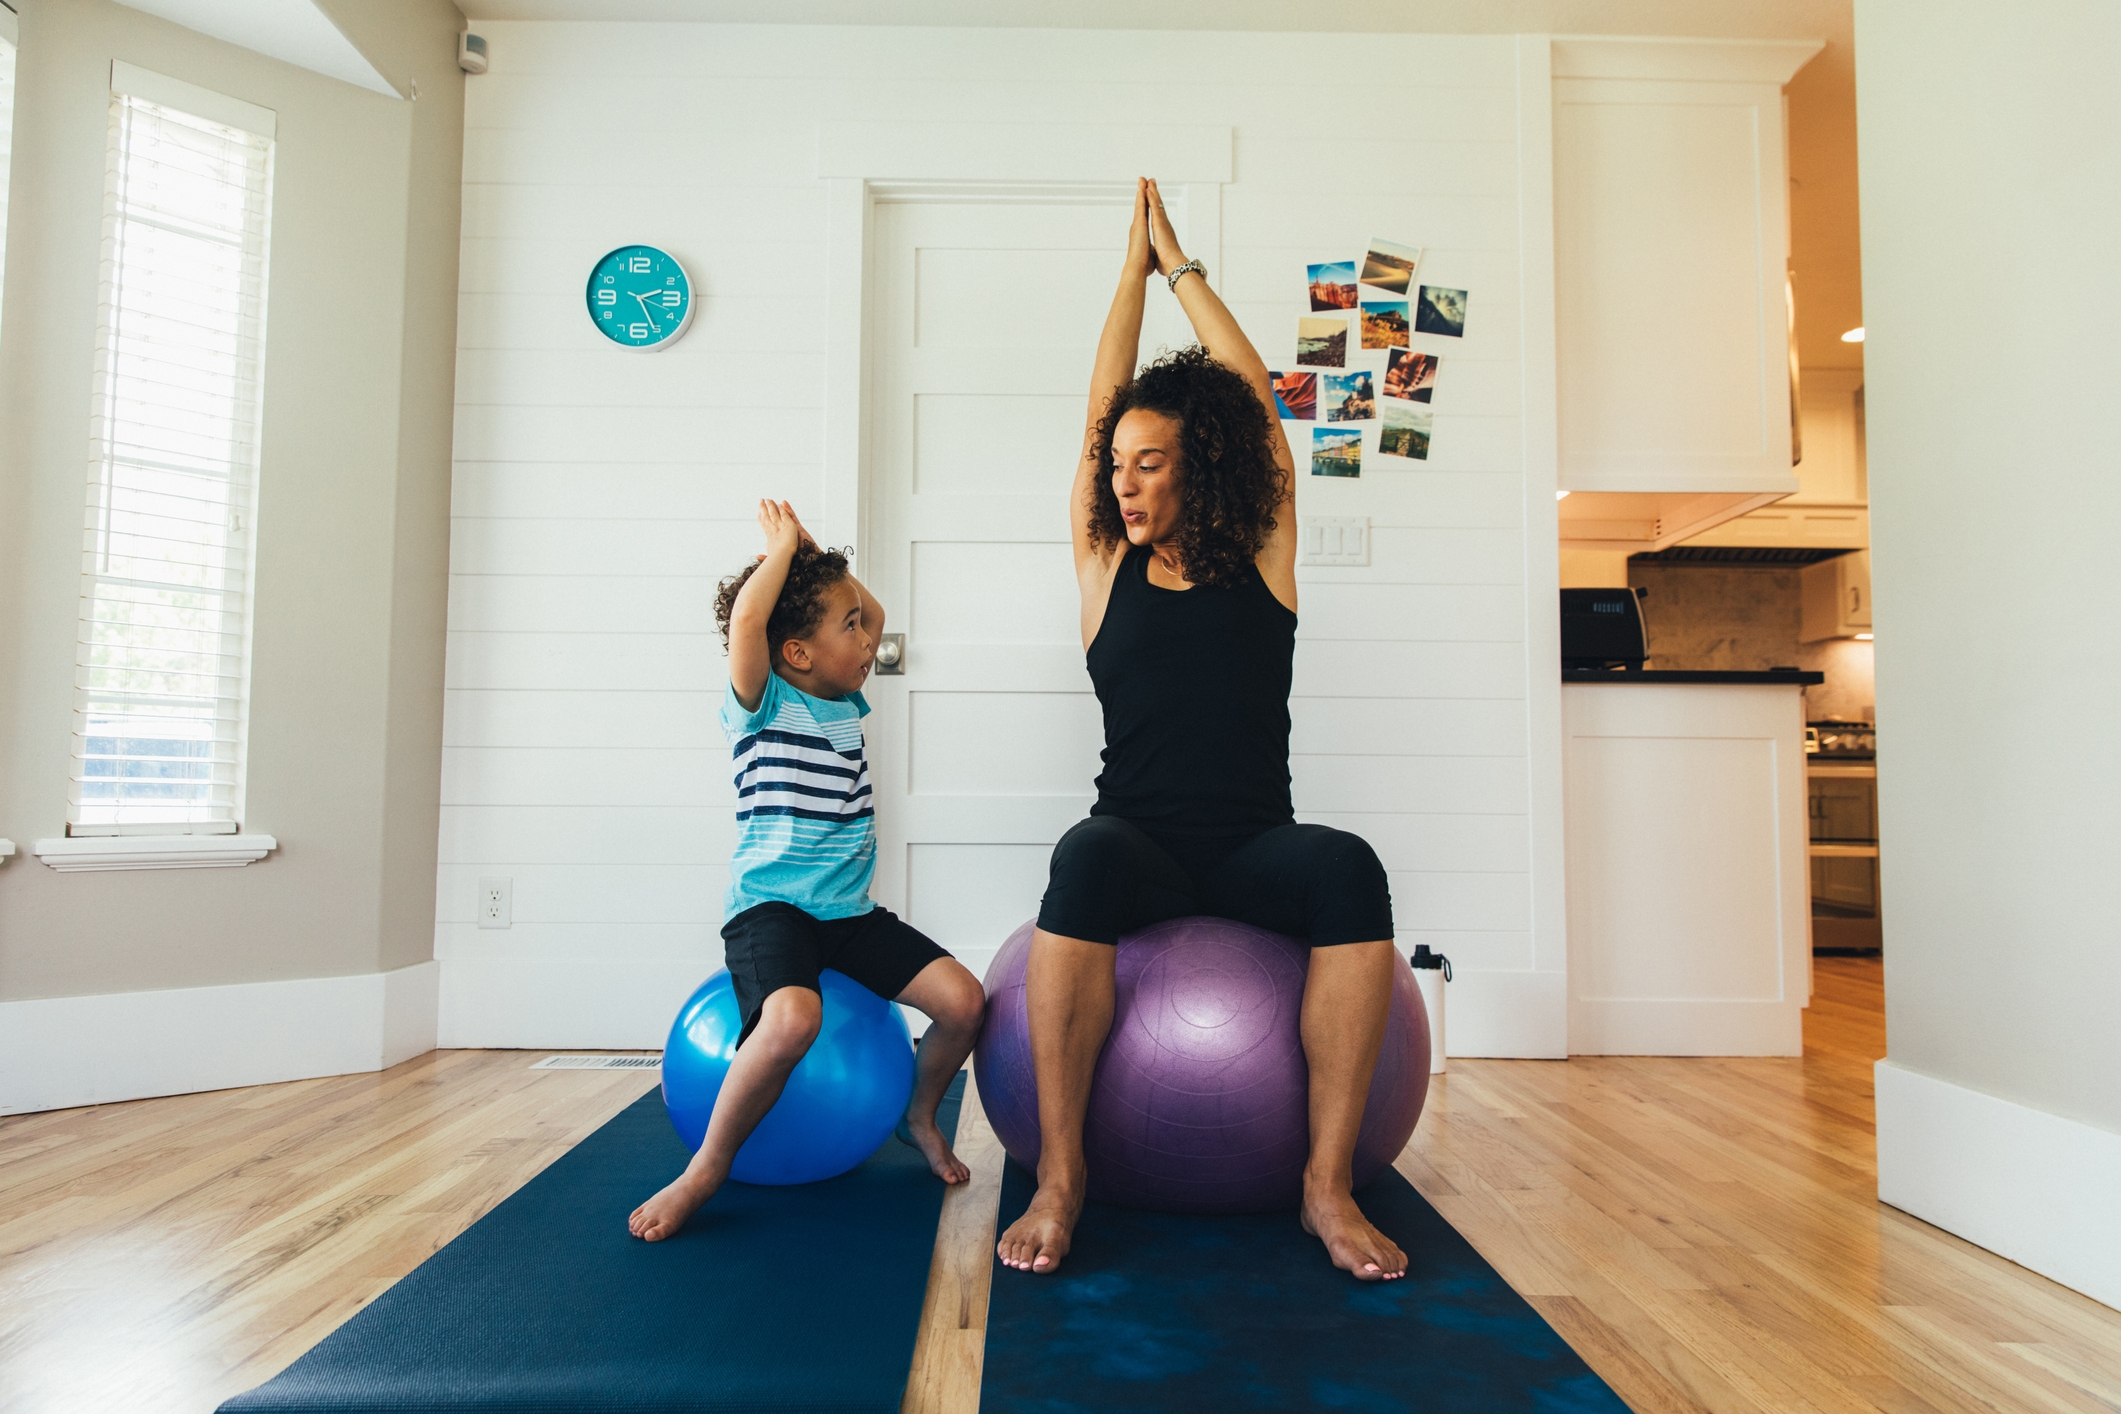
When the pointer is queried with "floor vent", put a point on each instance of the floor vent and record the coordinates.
(599, 1063)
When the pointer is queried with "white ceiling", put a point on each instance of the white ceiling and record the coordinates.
(294, 31)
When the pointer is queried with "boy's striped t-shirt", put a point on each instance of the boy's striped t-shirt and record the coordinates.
(805, 829)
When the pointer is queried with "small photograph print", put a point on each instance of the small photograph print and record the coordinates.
(1350, 397)
(1410, 377)
(1390, 267)
(1333, 286)
(1405, 433)
(1322, 343)
(1295, 396)
(1441, 311)
(1384, 324)
(1335, 453)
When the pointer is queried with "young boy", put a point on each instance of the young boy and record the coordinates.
(801, 633)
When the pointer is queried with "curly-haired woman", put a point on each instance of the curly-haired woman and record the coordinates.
(1185, 553)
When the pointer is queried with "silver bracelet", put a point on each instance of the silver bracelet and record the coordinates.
(1190, 267)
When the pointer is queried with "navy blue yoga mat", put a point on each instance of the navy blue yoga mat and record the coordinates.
(802, 1298)
(1171, 1312)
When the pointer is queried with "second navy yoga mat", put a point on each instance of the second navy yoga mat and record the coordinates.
(1175, 1313)
(771, 1299)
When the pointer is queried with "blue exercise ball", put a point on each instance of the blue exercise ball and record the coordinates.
(842, 1100)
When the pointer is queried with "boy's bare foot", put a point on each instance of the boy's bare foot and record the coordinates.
(662, 1215)
(1038, 1240)
(1354, 1245)
(928, 1138)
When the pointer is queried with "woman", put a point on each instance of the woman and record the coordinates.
(1185, 553)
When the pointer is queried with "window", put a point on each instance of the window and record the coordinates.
(7, 121)
(163, 657)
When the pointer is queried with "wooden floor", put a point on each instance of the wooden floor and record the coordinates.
(1704, 1232)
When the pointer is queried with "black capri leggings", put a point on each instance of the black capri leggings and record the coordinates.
(1110, 876)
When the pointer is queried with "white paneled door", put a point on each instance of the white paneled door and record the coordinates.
(984, 321)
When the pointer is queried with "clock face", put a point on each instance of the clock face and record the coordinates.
(639, 297)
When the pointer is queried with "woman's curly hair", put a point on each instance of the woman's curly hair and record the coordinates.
(1228, 478)
(802, 603)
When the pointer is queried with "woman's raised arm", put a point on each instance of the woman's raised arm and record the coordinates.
(1219, 333)
(1117, 350)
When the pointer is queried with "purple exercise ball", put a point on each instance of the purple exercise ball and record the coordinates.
(1200, 1101)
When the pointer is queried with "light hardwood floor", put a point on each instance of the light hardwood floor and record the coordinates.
(1705, 1232)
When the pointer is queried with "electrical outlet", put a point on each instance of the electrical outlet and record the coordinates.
(1333, 540)
(496, 903)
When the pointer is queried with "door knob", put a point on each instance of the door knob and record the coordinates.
(891, 654)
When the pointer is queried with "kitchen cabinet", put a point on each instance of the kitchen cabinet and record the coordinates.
(1671, 239)
(1831, 509)
(1684, 820)
(1837, 598)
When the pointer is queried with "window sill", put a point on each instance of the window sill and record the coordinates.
(70, 856)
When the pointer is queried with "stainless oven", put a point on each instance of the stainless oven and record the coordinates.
(1841, 770)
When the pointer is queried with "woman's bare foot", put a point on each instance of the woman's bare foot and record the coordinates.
(936, 1150)
(662, 1215)
(1354, 1245)
(1038, 1240)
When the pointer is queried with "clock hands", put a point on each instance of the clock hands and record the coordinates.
(646, 313)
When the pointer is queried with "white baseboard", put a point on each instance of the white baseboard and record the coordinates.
(2027, 1185)
(1633, 1026)
(411, 999)
(555, 1004)
(1508, 1015)
(58, 1052)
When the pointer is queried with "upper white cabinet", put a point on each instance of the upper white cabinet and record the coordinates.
(1837, 598)
(1671, 244)
(1830, 510)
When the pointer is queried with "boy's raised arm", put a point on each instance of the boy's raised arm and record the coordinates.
(872, 612)
(750, 660)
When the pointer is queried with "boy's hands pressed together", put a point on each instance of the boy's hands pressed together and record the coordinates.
(784, 533)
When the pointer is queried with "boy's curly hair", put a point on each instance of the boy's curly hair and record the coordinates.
(1230, 480)
(802, 603)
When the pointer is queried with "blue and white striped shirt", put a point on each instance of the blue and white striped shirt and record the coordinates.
(805, 828)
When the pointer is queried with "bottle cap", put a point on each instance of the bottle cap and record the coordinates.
(1425, 959)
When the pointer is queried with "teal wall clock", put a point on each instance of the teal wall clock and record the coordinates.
(640, 298)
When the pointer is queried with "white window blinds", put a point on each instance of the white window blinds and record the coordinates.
(7, 121)
(163, 670)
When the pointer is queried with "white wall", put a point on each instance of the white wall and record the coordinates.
(599, 495)
(1992, 203)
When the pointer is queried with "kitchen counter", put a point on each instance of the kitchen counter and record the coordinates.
(1688, 899)
(1685, 675)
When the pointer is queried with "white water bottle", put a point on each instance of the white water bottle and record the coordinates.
(1431, 971)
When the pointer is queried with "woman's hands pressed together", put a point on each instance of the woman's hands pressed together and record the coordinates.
(1162, 237)
(1141, 252)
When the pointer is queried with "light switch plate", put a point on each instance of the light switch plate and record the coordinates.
(1333, 540)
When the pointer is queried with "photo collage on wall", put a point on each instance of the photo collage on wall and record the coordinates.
(1381, 379)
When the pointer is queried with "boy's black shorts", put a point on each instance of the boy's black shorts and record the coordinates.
(776, 945)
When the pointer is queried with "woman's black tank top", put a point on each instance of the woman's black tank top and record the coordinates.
(1195, 687)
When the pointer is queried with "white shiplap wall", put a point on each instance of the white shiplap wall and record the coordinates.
(599, 495)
